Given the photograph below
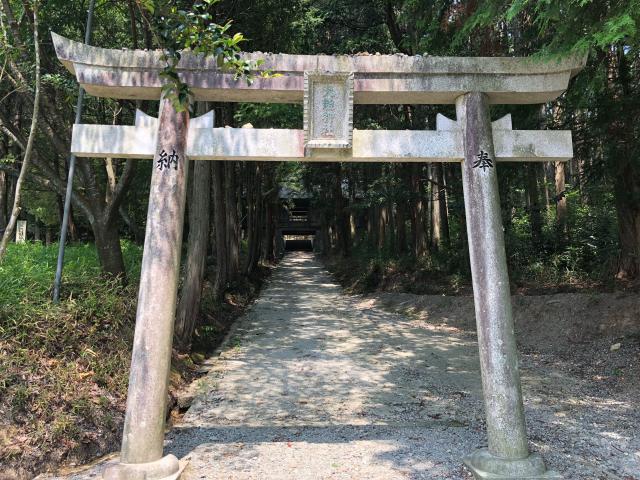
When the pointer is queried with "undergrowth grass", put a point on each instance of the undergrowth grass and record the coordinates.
(63, 368)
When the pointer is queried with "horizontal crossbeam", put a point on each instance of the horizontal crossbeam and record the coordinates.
(288, 145)
(378, 79)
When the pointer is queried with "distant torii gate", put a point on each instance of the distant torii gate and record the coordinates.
(328, 86)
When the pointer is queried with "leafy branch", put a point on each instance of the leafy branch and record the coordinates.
(177, 30)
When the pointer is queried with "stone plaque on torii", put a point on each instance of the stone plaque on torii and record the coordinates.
(328, 86)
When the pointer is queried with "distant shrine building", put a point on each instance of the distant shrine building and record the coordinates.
(328, 87)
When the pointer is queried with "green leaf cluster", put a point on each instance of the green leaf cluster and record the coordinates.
(193, 30)
(564, 26)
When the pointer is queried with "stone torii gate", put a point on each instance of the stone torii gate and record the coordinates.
(328, 86)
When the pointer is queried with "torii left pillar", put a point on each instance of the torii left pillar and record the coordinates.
(141, 456)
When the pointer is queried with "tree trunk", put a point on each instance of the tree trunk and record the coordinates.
(11, 191)
(444, 209)
(391, 222)
(628, 213)
(401, 227)
(104, 219)
(250, 175)
(71, 225)
(343, 240)
(72, 228)
(220, 222)
(3, 200)
(108, 246)
(436, 221)
(561, 202)
(353, 230)
(254, 217)
(372, 226)
(322, 241)
(138, 235)
(625, 164)
(4, 148)
(403, 208)
(382, 225)
(233, 234)
(546, 180)
(260, 212)
(15, 211)
(417, 212)
(191, 295)
(534, 204)
(270, 216)
(439, 213)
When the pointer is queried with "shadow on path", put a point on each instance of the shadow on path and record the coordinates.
(316, 384)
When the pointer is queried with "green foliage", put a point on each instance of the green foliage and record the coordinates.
(194, 30)
(566, 26)
(584, 260)
(63, 374)
(269, 115)
(26, 311)
(64, 368)
(42, 205)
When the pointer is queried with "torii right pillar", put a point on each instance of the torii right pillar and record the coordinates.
(507, 455)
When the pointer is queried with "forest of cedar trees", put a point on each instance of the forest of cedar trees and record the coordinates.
(569, 227)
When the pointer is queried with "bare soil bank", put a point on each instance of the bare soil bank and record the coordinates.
(575, 331)
(25, 458)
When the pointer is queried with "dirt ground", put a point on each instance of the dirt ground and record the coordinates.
(317, 384)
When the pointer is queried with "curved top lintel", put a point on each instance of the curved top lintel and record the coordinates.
(397, 78)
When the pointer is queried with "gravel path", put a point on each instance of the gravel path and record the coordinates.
(316, 384)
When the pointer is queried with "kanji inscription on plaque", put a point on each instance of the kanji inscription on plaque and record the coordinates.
(328, 110)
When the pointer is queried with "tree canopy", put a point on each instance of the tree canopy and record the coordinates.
(584, 217)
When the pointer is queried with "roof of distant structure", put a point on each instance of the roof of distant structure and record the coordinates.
(378, 79)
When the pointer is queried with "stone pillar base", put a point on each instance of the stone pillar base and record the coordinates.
(167, 468)
(483, 465)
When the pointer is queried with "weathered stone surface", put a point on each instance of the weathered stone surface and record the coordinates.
(143, 435)
(147, 121)
(506, 429)
(282, 145)
(167, 468)
(328, 110)
(446, 124)
(485, 466)
(383, 79)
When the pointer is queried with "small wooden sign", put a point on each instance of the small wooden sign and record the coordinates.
(328, 110)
